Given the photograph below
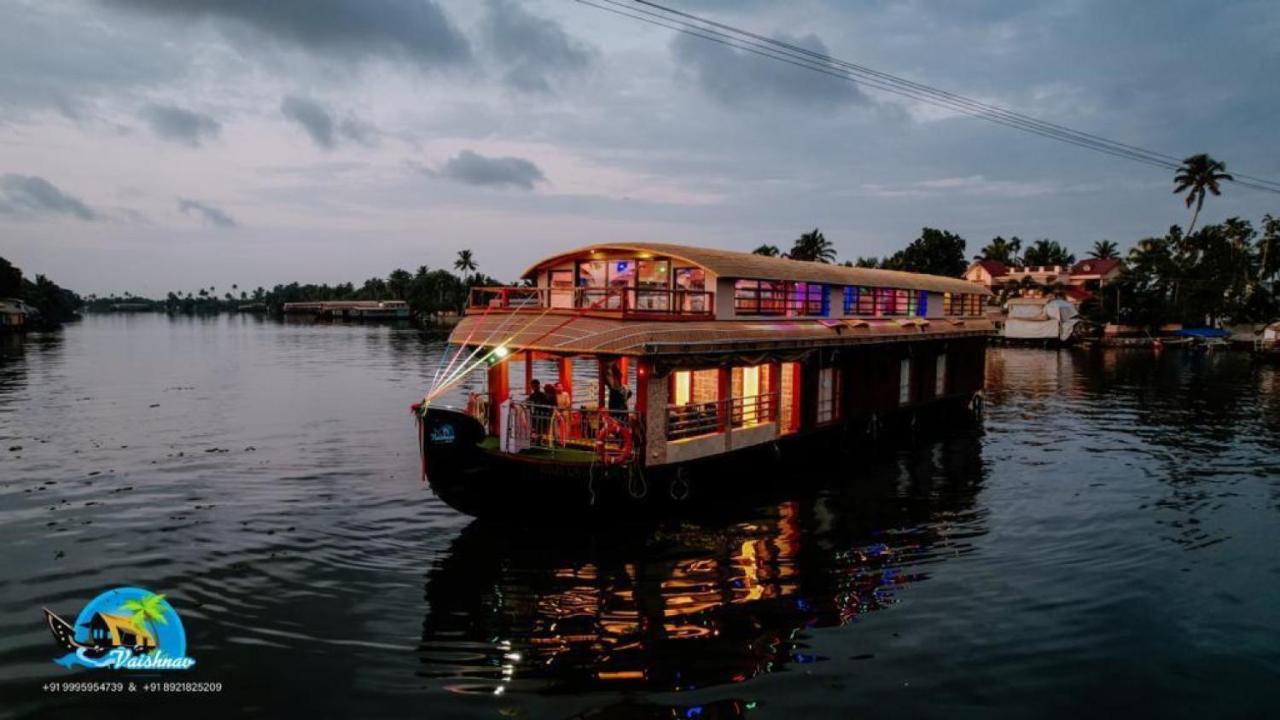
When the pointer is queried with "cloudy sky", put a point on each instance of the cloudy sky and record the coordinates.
(155, 145)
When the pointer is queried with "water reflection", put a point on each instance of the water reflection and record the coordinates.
(693, 603)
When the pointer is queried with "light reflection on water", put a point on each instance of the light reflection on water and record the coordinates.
(1112, 533)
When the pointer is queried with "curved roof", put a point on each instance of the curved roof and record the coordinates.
(589, 335)
(737, 264)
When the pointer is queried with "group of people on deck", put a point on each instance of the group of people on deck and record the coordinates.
(545, 398)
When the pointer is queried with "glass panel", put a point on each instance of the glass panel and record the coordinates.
(622, 275)
(788, 397)
(653, 278)
(592, 278)
(693, 280)
(561, 288)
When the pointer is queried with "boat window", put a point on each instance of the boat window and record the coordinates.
(905, 302)
(789, 397)
(807, 299)
(947, 307)
(904, 382)
(922, 303)
(973, 304)
(940, 376)
(695, 407)
(759, 297)
(886, 302)
(653, 279)
(691, 284)
(561, 282)
(754, 396)
(828, 407)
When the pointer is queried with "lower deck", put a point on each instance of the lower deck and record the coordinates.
(660, 411)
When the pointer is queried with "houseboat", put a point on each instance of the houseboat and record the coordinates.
(671, 366)
(350, 309)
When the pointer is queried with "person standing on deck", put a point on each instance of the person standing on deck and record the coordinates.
(619, 393)
(539, 409)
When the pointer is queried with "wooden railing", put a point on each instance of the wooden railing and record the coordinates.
(635, 302)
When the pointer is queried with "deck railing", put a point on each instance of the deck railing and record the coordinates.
(694, 419)
(639, 302)
(554, 429)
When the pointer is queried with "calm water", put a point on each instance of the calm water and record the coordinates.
(1110, 544)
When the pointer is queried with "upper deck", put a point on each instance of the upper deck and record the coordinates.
(591, 299)
(656, 281)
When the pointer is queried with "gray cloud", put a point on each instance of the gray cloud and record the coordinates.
(210, 214)
(179, 125)
(312, 117)
(737, 77)
(28, 194)
(475, 169)
(532, 48)
(417, 30)
(321, 125)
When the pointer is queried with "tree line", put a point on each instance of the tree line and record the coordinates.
(428, 292)
(55, 304)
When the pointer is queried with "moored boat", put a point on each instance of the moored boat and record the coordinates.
(654, 374)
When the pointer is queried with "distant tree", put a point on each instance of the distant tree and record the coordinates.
(10, 280)
(767, 250)
(1047, 252)
(867, 262)
(1001, 250)
(1104, 250)
(935, 252)
(1198, 174)
(1269, 250)
(813, 246)
(465, 263)
(398, 284)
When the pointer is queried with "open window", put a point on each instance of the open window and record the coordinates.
(695, 408)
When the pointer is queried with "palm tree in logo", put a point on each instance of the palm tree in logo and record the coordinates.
(147, 611)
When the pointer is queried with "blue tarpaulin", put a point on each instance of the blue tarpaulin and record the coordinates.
(1204, 332)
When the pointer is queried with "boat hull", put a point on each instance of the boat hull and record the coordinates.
(486, 483)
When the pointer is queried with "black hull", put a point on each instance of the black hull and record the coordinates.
(485, 483)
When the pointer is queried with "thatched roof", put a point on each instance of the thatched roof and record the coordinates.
(735, 264)
(550, 332)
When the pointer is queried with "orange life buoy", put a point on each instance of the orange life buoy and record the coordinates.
(613, 454)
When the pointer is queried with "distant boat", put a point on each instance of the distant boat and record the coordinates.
(15, 315)
(351, 309)
(1040, 320)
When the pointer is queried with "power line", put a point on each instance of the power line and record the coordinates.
(774, 49)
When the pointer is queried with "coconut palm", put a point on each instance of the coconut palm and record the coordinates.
(465, 263)
(767, 250)
(147, 611)
(813, 246)
(1001, 250)
(1104, 250)
(1199, 173)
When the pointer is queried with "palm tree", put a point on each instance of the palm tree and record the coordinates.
(465, 263)
(1001, 250)
(1197, 174)
(151, 609)
(767, 250)
(813, 246)
(1104, 250)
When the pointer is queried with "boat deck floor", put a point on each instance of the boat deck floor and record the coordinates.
(559, 454)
